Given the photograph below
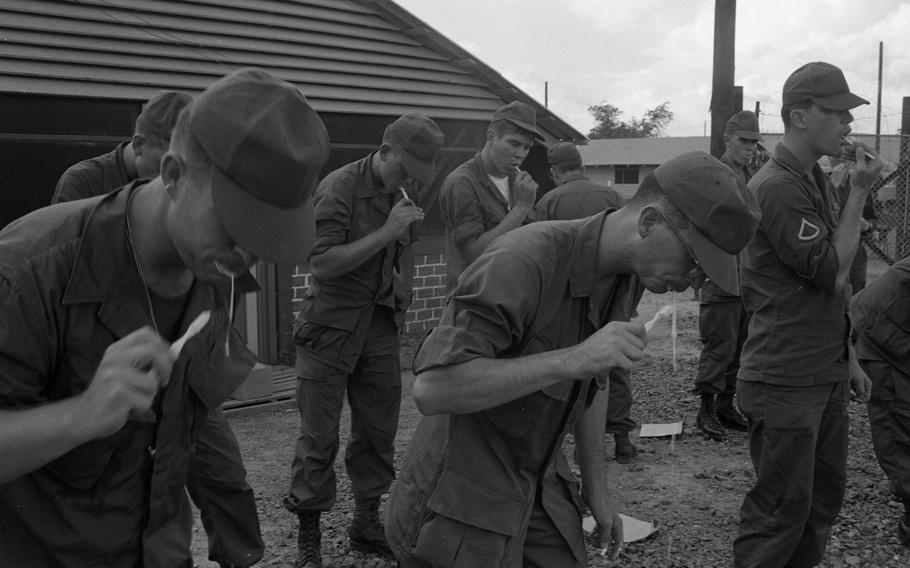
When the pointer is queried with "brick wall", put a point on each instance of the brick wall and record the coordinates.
(429, 285)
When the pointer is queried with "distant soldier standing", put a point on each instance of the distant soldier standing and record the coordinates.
(575, 197)
(723, 322)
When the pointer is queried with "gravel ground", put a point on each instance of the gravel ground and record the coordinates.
(692, 487)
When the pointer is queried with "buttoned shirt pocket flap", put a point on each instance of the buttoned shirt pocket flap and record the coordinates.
(475, 503)
(332, 311)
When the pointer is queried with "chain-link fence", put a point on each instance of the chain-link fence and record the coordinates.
(890, 240)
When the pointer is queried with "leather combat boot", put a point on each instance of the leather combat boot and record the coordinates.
(309, 541)
(625, 449)
(366, 532)
(707, 420)
(728, 415)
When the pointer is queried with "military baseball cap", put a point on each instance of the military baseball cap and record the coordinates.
(823, 84)
(419, 141)
(722, 212)
(562, 152)
(159, 115)
(743, 124)
(521, 115)
(267, 147)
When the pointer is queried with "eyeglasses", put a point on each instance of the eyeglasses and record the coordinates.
(697, 274)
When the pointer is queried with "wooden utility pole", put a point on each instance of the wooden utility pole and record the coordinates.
(722, 91)
(903, 186)
(878, 105)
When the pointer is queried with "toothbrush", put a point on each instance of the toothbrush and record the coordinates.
(192, 331)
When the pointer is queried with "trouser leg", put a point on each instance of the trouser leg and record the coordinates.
(830, 479)
(216, 481)
(718, 325)
(320, 396)
(619, 408)
(740, 326)
(374, 395)
(798, 448)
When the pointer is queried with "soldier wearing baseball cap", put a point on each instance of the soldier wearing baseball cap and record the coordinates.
(575, 196)
(521, 356)
(489, 194)
(137, 158)
(216, 479)
(797, 368)
(823, 84)
(741, 139)
(101, 420)
(366, 216)
(722, 318)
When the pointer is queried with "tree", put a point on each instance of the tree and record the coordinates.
(651, 125)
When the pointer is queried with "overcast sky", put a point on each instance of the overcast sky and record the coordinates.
(636, 54)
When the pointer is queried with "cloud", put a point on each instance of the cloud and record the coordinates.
(636, 55)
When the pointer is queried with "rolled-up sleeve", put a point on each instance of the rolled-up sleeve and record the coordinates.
(333, 205)
(461, 210)
(797, 233)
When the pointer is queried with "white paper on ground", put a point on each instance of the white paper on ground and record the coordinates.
(632, 529)
(658, 430)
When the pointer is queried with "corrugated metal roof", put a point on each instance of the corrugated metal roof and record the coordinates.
(347, 56)
(655, 151)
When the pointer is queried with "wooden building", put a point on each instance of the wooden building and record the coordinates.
(74, 74)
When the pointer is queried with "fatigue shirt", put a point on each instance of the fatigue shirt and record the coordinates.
(577, 197)
(349, 205)
(95, 176)
(471, 205)
(881, 316)
(68, 289)
(709, 292)
(799, 328)
(533, 290)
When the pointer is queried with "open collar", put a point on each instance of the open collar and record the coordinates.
(104, 271)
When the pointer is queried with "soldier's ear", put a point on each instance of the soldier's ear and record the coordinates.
(648, 219)
(173, 169)
(138, 144)
(798, 117)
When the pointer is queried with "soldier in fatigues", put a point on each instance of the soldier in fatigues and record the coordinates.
(216, 479)
(881, 316)
(798, 367)
(348, 343)
(722, 318)
(574, 197)
(99, 411)
(521, 357)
